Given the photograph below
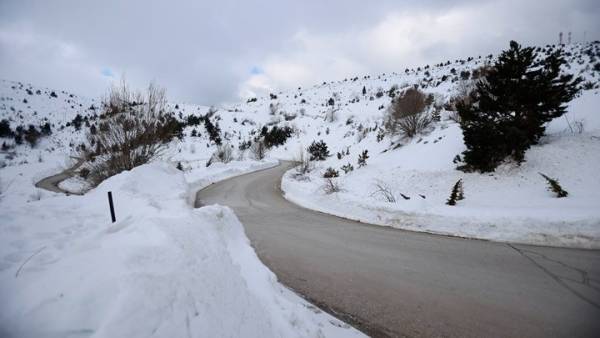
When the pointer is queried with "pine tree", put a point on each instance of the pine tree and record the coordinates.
(512, 104)
(555, 187)
(457, 193)
(214, 132)
(364, 90)
(318, 151)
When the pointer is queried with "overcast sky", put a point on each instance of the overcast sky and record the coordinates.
(209, 52)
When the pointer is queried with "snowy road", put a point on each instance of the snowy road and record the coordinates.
(50, 183)
(391, 282)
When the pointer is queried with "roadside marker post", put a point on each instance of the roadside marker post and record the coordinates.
(112, 207)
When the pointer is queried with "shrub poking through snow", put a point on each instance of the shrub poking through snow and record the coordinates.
(214, 132)
(84, 173)
(330, 172)
(347, 168)
(318, 151)
(510, 108)
(408, 115)
(554, 186)
(134, 129)
(258, 149)
(362, 158)
(179, 166)
(457, 193)
(385, 191)
(304, 165)
(331, 186)
(276, 136)
(223, 153)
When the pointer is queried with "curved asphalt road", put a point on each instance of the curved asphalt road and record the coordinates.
(391, 282)
(50, 183)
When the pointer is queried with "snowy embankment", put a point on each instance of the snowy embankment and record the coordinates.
(163, 269)
(511, 204)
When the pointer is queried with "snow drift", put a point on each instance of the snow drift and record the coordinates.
(163, 269)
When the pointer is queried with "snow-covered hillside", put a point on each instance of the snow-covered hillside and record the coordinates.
(348, 115)
(511, 204)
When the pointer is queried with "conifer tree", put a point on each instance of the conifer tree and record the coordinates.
(555, 187)
(457, 193)
(511, 105)
(318, 151)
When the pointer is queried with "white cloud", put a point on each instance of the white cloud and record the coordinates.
(413, 37)
(202, 51)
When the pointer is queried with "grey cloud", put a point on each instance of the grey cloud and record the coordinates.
(203, 51)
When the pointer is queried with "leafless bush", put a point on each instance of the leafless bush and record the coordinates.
(133, 130)
(453, 116)
(408, 114)
(385, 191)
(304, 164)
(331, 185)
(576, 127)
(223, 153)
(331, 115)
(258, 149)
(273, 108)
(464, 89)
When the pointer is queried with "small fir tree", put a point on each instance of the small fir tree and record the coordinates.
(555, 187)
(457, 193)
(318, 151)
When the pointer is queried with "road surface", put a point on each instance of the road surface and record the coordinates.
(390, 282)
(51, 182)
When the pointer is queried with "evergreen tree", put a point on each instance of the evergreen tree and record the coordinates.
(456, 194)
(318, 151)
(555, 187)
(512, 104)
(214, 132)
(364, 90)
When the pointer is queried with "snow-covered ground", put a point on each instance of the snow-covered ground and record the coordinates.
(163, 269)
(511, 204)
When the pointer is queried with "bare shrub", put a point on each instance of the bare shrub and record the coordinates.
(463, 96)
(258, 149)
(304, 164)
(385, 191)
(408, 114)
(331, 186)
(133, 130)
(330, 173)
(331, 115)
(223, 153)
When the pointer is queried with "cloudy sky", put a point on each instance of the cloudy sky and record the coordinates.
(215, 51)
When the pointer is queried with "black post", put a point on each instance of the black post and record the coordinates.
(112, 208)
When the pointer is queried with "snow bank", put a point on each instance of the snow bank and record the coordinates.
(163, 269)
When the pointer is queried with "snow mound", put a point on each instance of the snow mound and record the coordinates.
(163, 269)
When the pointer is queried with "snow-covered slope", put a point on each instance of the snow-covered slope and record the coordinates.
(511, 204)
(350, 121)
